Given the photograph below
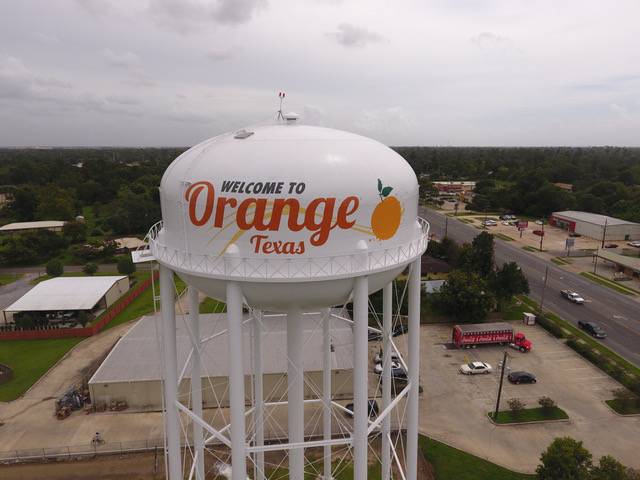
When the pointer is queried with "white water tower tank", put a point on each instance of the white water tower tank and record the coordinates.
(292, 212)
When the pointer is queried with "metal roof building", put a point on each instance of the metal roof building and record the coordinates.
(22, 227)
(596, 226)
(72, 293)
(133, 369)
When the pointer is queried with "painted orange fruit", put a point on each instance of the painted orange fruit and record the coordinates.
(387, 215)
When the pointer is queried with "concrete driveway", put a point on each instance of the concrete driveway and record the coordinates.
(454, 407)
(13, 291)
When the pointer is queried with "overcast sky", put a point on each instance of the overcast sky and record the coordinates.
(423, 72)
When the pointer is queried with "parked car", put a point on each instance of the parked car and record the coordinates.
(374, 409)
(400, 330)
(592, 329)
(522, 377)
(506, 223)
(573, 297)
(611, 245)
(379, 357)
(539, 222)
(635, 243)
(539, 233)
(397, 371)
(474, 368)
(374, 336)
(574, 235)
(489, 223)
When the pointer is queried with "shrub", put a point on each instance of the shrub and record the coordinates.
(550, 326)
(126, 265)
(90, 268)
(54, 268)
(546, 403)
(516, 406)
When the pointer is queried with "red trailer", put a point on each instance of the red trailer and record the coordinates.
(467, 335)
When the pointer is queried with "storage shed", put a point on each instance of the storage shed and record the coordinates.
(596, 226)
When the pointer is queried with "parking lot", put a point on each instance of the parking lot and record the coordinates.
(454, 407)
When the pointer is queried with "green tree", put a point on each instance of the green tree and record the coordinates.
(609, 468)
(479, 256)
(516, 406)
(565, 459)
(465, 296)
(54, 268)
(55, 203)
(90, 268)
(75, 231)
(126, 266)
(508, 281)
(546, 403)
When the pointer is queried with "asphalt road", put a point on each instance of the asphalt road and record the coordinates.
(618, 314)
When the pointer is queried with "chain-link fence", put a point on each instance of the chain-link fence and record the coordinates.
(80, 451)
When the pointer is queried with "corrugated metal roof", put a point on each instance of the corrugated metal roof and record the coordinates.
(594, 218)
(136, 357)
(29, 225)
(65, 293)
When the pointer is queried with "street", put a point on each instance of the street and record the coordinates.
(618, 314)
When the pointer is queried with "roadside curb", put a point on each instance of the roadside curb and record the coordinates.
(535, 422)
(624, 415)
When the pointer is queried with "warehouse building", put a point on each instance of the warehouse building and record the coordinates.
(132, 371)
(61, 299)
(596, 226)
(24, 227)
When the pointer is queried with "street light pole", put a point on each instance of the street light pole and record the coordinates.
(446, 226)
(604, 232)
(504, 365)
(544, 287)
(542, 236)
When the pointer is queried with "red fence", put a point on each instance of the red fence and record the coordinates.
(99, 324)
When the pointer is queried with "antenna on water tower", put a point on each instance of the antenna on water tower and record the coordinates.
(281, 96)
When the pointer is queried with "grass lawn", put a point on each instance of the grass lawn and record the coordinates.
(599, 279)
(625, 407)
(529, 248)
(143, 305)
(452, 464)
(516, 310)
(30, 359)
(8, 278)
(529, 415)
(342, 471)
(559, 261)
(502, 236)
(210, 305)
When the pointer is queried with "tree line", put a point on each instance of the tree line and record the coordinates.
(604, 180)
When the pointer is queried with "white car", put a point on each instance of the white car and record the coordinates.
(475, 367)
(539, 222)
(489, 223)
(635, 244)
(378, 357)
(394, 366)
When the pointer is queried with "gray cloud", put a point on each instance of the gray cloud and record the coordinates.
(351, 36)
(220, 54)
(183, 16)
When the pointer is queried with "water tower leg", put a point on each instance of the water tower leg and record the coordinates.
(326, 391)
(168, 315)
(258, 388)
(196, 381)
(236, 381)
(387, 307)
(295, 396)
(360, 377)
(413, 340)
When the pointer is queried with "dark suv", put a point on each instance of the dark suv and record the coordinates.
(522, 377)
(592, 329)
(374, 409)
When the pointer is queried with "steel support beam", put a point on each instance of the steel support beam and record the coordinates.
(360, 376)
(413, 340)
(295, 395)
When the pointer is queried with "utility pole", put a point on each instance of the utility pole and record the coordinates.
(504, 365)
(542, 236)
(544, 287)
(446, 226)
(604, 232)
(595, 262)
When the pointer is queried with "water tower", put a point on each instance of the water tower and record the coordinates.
(289, 218)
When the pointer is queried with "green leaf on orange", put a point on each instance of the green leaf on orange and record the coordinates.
(379, 186)
(386, 191)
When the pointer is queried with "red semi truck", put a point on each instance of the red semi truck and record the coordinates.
(467, 335)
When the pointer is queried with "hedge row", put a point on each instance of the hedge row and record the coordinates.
(549, 325)
(615, 371)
